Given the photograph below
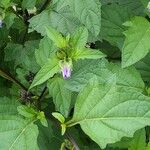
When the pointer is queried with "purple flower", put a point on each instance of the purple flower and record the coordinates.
(66, 71)
(66, 68)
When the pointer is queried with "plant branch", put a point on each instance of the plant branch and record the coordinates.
(40, 98)
(71, 139)
(25, 18)
(9, 77)
(67, 134)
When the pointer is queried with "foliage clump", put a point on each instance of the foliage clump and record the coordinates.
(74, 74)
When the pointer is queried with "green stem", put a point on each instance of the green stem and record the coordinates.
(40, 97)
(70, 123)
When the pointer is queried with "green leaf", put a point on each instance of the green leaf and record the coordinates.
(5, 3)
(18, 24)
(61, 95)
(63, 129)
(89, 13)
(46, 49)
(39, 22)
(14, 130)
(22, 55)
(46, 72)
(59, 117)
(136, 45)
(87, 53)
(42, 118)
(143, 67)
(26, 111)
(44, 122)
(12, 104)
(148, 146)
(84, 70)
(61, 19)
(9, 19)
(134, 7)
(112, 28)
(106, 2)
(3, 36)
(128, 77)
(144, 2)
(139, 141)
(79, 38)
(56, 37)
(49, 137)
(16, 54)
(123, 144)
(110, 111)
(28, 4)
(25, 76)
